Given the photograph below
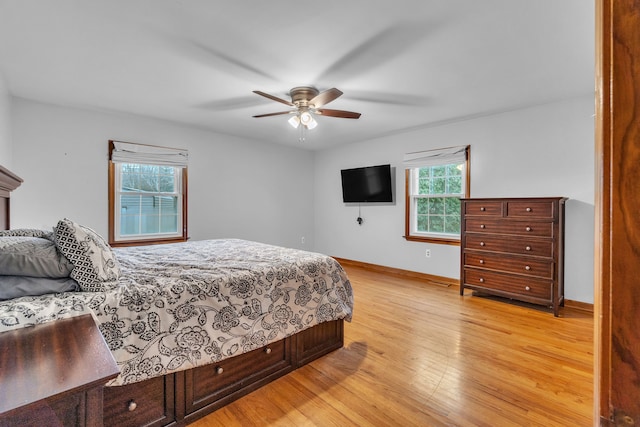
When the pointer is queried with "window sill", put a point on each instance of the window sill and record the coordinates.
(439, 240)
(125, 243)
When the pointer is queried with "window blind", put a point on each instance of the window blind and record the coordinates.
(127, 152)
(442, 156)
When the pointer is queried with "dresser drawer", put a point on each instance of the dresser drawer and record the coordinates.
(146, 403)
(508, 284)
(207, 384)
(511, 264)
(484, 208)
(514, 247)
(496, 226)
(494, 243)
(531, 209)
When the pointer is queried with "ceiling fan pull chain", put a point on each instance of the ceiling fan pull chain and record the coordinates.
(302, 136)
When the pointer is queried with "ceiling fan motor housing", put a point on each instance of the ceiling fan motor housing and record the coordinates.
(301, 96)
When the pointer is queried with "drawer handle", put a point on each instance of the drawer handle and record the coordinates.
(528, 209)
(132, 405)
(267, 350)
(528, 228)
(219, 370)
(482, 209)
(481, 261)
(527, 267)
(482, 225)
(528, 248)
(527, 288)
(481, 243)
(481, 280)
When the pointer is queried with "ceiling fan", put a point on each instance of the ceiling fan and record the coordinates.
(307, 101)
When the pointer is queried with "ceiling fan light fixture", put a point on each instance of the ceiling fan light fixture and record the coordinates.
(307, 120)
(294, 121)
(307, 100)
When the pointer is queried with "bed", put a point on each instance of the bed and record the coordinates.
(192, 326)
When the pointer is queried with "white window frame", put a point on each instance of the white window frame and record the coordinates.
(118, 192)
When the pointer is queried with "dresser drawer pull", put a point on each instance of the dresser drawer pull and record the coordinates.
(267, 350)
(527, 228)
(132, 405)
(482, 226)
(219, 370)
(527, 288)
(481, 280)
(528, 209)
(528, 248)
(481, 261)
(527, 267)
(481, 243)
(482, 209)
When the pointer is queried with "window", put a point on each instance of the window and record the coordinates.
(147, 194)
(436, 180)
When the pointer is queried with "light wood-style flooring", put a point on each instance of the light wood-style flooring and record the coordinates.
(419, 354)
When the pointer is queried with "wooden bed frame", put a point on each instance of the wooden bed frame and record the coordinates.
(182, 397)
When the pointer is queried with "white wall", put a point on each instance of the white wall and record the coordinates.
(540, 151)
(237, 188)
(6, 157)
(61, 153)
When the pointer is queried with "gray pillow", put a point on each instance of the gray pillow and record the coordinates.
(28, 232)
(21, 286)
(95, 266)
(32, 256)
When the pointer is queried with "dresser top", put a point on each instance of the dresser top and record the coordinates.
(52, 359)
(516, 198)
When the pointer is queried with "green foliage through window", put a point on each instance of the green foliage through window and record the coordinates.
(436, 193)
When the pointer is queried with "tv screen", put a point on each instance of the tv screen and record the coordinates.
(367, 185)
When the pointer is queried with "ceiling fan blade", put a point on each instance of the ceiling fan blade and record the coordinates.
(231, 103)
(274, 98)
(339, 113)
(399, 99)
(235, 63)
(386, 44)
(273, 114)
(325, 97)
(209, 56)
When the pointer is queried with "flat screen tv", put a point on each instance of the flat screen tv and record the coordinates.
(367, 185)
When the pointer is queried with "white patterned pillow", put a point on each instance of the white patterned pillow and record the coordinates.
(95, 267)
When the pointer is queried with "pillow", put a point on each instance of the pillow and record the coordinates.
(95, 267)
(32, 256)
(21, 286)
(28, 232)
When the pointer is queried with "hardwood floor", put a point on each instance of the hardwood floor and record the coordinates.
(419, 354)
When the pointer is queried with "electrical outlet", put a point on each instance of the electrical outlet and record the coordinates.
(428, 253)
(302, 240)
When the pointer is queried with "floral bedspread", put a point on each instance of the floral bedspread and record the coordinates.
(184, 305)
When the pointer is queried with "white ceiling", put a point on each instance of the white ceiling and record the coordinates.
(404, 64)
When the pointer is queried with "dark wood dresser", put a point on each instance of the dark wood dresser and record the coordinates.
(53, 374)
(514, 248)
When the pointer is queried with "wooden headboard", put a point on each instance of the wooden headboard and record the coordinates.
(8, 182)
